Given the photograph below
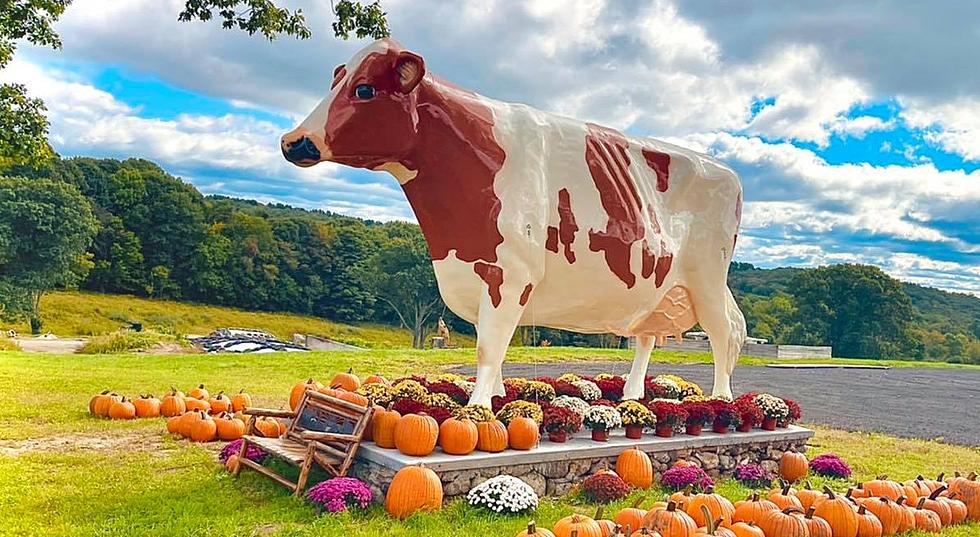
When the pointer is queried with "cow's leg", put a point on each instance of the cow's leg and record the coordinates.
(494, 330)
(635, 387)
(723, 321)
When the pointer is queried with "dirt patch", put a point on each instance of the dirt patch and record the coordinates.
(54, 346)
(129, 442)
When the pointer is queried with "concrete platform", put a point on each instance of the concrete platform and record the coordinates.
(580, 447)
(826, 366)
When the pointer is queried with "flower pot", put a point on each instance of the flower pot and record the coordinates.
(694, 429)
(634, 432)
(558, 437)
(744, 428)
(719, 428)
(665, 431)
(769, 424)
(600, 435)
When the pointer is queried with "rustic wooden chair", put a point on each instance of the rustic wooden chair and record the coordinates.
(323, 429)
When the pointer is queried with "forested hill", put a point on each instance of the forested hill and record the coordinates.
(157, 236)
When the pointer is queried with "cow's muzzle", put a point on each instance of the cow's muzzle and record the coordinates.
(302, 148)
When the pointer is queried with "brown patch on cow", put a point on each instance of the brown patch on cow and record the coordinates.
(663, 267)
(649, 261)
(526, 294)
(551, 244)
(738, 221)
(606, 152)
(660, 163)
(494, 278)
(442, 132)
(566, 223)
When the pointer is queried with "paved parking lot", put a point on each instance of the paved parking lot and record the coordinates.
(908, 402)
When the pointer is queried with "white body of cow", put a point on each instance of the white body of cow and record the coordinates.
(695, 219)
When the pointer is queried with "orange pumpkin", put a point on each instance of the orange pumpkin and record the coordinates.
(683, 463)
(491, 436)
(103, 402)
(577, 526)
(204, 430)
(457, 437)
(784, 498)
(414, 488)
(718, 507)
(888, 513)
(918, 486)
(942, 508)
(967, 490)
(631, 517)
(926, 520)
(778, 523)
(681, 497)
(229, 427)
(199, 393)
(807, 496)
(95, 399)
(240, 401)
(957, 508)
(187, 421)
(369, 430)
(416, 434)
(838, 512)
(197, 404)
(670, 522)
(299, 389)
(376, 379)
(147, 406)
(746, 529)
(793, 466)
(122, 409)
(644, 532)
(523, 433)
(231, 463)
(868, 523)
(347, 381)
(606, 526)
(753, 509)
(817, 526)
(712, 527)
(882, 486)
(220, 403)
(532, 528)
(384, 428)
(172, 425)
(908, 516)
(267, 427)
(173, 404)
(635, 467)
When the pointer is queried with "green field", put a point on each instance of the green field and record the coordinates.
(63, 472)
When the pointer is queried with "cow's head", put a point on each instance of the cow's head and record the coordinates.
(369, 118)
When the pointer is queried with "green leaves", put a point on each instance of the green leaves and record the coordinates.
(364, 21)
(266, 18)
(30, 20)
(23, 129)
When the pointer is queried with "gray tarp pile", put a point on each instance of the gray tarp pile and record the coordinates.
(242, 340)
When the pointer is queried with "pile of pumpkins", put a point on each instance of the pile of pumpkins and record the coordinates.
(875, 508)
(418, 434)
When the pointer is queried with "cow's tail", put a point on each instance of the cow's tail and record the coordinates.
(738, 333)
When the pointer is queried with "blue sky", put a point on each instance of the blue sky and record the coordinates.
(853, 146)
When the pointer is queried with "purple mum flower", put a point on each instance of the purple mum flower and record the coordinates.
(340, 494)
(252, 453)
(830, 465)
(753, 475)
(680, 478)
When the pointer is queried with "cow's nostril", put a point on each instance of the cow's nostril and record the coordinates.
(301, 150)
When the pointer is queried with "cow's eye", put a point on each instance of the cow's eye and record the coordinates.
(364, 92)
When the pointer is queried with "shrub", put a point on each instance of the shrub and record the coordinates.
(687, 476)
(605, 487)
(612, 388)
(520, 409)
(558, 419)
(574, 404)
(830, 465)
(753, 475)
(340, 494)
(127, 341)
(252, 453)
(602, 418)
(7, 344)
(698, 413)
(536, 390)
(503, 494)
(669, 414)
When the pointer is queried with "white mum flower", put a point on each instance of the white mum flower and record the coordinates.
(503, 493)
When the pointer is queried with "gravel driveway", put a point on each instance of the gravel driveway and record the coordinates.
(908, 402)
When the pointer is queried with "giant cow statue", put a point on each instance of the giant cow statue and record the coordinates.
(536, 219)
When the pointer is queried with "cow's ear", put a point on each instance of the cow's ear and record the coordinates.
(410, 68)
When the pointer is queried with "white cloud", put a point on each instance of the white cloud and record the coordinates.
(956, 124)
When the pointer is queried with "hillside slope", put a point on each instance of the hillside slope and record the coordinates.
(89, 314)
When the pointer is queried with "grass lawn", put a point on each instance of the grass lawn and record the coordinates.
(63, 472)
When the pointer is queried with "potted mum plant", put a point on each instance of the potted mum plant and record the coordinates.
(727, 416)
(601, 419)
(560, 422)
(635, 417)
(698, 415)
(773, 410)
(670, 416)
(750, 414)
(795, 413)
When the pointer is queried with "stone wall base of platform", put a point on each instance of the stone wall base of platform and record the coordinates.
(558, 477)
